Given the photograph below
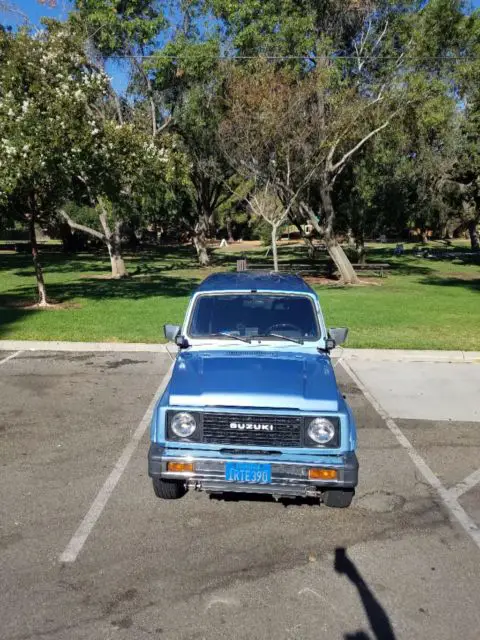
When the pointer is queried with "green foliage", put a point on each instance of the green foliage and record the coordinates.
(116, 26)
(67, 136)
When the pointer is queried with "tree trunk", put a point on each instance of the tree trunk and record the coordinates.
(350, 239)
(200, 240)
(67, 238)
(303, 235)
(473, 232)
(360, 247)
(114, 245)
(116, 260)
(337, 254)
(229, 226)
(42, 293)
(340, 258)
(274, 247)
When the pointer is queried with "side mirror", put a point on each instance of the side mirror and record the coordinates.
(171, 331)
(338, 335)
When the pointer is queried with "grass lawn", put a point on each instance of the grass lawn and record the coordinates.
(422, 304)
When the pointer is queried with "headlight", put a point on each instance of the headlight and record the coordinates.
(183, 424)
(321, 430)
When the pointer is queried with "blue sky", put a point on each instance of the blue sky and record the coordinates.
(36, 10)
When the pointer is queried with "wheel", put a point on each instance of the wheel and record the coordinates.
(169, 489)
(338, 498)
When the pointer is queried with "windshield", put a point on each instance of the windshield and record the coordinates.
(254, 315)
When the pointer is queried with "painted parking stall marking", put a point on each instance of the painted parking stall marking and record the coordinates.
(465, 485)
(448, 497)
(10, 357)
(98, 505)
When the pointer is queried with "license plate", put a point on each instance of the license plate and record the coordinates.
(248, 472)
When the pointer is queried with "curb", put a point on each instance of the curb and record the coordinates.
(55, 345)
(378, 355)
(407, 355)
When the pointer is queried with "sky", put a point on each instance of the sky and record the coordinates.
(36, 10)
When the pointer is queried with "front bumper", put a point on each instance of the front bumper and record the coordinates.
(289, 479)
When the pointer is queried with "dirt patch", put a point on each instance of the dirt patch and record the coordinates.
(246, 245)
(459, 276)
(322, 281)
(96, 276)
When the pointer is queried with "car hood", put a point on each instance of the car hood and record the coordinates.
(261, 379)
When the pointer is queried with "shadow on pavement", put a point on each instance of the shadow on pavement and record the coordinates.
(235, 496)
(376, 614)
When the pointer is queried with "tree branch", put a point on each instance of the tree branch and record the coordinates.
(380, 37)
(338, 165)
(166, 124)
(148, 83)
(336, 142)
(80, 227)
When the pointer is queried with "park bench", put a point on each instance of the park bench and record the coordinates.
(313, 269)
(377, 268)
(373, 267)
(298, 269)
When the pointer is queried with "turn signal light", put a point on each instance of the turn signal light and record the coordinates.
(322, 474)
(179, 467)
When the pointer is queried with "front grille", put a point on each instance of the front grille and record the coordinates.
(286, 430)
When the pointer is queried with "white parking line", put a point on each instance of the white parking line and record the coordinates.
(10, 357)
(449, 500)
(98, 505)
(465, 485)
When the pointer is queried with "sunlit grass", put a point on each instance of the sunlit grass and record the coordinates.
(423, 303)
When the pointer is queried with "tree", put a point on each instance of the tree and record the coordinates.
(122, 168)
(117, 28)
(47, 91)
(131, 148)
(166, 90)
(325, 60)
(465, 170)
(422, 170)
(298, 134)
(265, 204)
(188, 75)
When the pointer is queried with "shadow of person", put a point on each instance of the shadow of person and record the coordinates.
(376, 614)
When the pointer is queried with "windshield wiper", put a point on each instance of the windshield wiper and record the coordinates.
(225, 334)
(279, 335)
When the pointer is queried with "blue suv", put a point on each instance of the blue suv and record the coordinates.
(252, 404)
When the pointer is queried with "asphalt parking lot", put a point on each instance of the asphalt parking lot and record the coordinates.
(402, 562)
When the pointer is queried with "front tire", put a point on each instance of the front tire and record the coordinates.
(169, 489)
(338, 498)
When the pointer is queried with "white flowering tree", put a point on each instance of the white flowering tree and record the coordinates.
(48, 126)
(61, 139)
(119, 167)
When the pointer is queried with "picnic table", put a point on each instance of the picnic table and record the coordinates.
(312, 269)
(374, 267)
